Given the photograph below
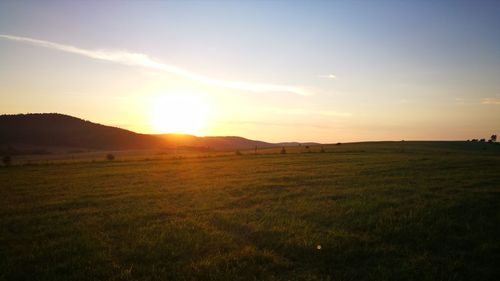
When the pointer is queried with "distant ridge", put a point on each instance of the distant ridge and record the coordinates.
(59, 130)
(55, 130)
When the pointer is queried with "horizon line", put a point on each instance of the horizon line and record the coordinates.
(248, 138)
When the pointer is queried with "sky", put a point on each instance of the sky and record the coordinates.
(324, 71)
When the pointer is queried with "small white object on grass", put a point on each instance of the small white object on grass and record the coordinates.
(318, 247)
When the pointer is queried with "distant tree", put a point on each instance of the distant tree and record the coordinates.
(338, 143)
(7, 160)
(307, 148)
(493, 138)
(110, 157)
(482, 140)
(474, 140)
(283, 151)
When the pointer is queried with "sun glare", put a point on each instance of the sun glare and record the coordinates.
(180, 114)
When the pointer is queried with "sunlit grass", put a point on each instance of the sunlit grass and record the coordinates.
(390, 211)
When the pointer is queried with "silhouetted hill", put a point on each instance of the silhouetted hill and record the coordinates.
(230, 142)
(58, 130)
(53, 130)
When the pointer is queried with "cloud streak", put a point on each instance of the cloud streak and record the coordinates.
(306, 112)
(495, 101)
(329, 76)
(143, 60)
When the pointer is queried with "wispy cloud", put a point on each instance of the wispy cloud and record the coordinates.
(276, 124)
(304, 111)
(495, 101)
(143, 60)
(329, 76)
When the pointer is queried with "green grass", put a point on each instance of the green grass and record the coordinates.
(380, 211)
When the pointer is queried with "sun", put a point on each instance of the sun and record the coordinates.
(179, 114)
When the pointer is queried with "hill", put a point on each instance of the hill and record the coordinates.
(58, 130)
(219, 143)
(41, 131)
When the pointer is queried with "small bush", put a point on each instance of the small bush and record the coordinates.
(283, 151)
(110, 157)
(7, 160)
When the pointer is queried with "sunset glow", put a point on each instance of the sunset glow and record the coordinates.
(249, 140)
(179, 113)
(329, 71)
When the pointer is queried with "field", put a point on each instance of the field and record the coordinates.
(365, 211)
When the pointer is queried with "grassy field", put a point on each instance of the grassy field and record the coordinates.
(366, 211)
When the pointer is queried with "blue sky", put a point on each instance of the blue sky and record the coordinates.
(401, 69)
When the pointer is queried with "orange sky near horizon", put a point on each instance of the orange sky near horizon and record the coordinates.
(272, 71)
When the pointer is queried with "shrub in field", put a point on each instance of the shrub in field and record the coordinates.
(322, 150)
(493, 138)
(110, 157)
(7, 160)
(283, 151)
